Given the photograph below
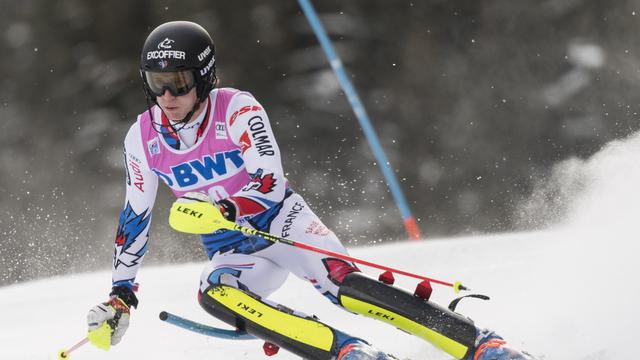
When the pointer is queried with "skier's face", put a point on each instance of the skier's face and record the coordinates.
(177, 107)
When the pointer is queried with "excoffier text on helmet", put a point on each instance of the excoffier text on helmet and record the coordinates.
(166, 54)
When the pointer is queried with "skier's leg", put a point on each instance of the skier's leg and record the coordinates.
(343, 284)
(248, 272)
(297, 221)
(288, 329)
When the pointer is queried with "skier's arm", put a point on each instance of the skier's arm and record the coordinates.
(108, 321)
(132, 236)
(250, 129)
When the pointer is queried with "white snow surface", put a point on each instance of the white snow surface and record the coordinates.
(566, 293)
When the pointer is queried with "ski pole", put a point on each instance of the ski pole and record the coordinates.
(64, 354)
(203, 218)
(204, 329)
(457, 286)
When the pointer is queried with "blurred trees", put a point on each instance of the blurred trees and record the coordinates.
(473, 101)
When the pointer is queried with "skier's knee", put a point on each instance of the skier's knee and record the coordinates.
(338, 269)
(222, 275)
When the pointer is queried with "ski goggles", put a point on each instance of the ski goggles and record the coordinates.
(178, 83)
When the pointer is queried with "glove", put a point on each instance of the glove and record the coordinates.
(109, 321)
(226, 207)
(195, 213)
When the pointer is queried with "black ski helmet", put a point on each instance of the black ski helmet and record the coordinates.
(179, 47)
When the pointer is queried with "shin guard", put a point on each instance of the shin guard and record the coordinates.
(449, 331)
(303, 336)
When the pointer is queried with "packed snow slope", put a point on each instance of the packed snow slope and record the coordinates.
(566, 293)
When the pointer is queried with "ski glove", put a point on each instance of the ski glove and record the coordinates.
(109, 321)
(226, 207)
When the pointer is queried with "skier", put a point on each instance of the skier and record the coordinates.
(216, 145)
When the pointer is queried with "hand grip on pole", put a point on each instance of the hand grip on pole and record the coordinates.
(64, 353)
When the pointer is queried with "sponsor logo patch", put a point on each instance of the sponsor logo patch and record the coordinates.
(204, 53)
(206, 69)
(137, 179)
(317, 228)
(153, 146)
(166, 54)
(199, 172)
(248, 309)
(190, 212)
(291, 217)
(381, 315)
(221, 130)
(261, 183)
(261, 140)
(165, 44)
(244, 109)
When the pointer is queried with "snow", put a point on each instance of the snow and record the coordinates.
(564, 293)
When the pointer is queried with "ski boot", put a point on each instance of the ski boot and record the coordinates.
(357, 349)
(491, 347)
